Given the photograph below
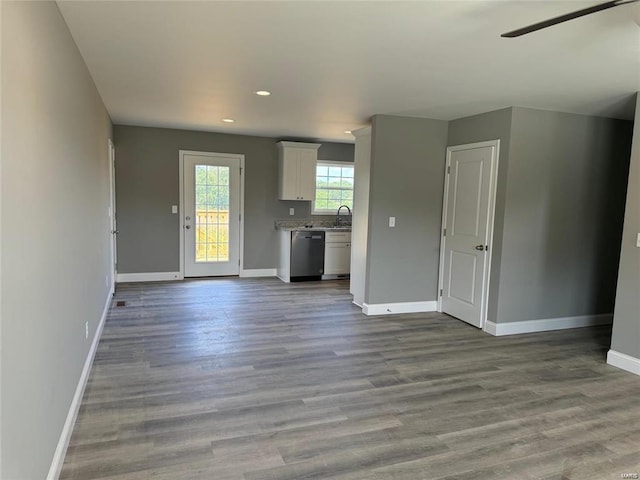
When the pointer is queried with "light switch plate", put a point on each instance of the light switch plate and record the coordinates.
(291, 211)
(174, 208)
(392, 221)
(638, 241)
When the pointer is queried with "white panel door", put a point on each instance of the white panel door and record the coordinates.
(112, 213)
(211, 215)
(468, 222)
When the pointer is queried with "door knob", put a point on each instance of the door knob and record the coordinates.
(115, 232)
(480, 247)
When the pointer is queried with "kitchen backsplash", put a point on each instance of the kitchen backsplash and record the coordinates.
(329, 221)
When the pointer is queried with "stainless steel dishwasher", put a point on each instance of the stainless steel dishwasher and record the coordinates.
(307, 255)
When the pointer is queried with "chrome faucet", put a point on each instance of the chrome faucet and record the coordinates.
(338, 213)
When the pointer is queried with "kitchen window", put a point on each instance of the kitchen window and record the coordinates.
(334, 187)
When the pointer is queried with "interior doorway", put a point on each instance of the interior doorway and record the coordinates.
(113, 270)
(467, 230)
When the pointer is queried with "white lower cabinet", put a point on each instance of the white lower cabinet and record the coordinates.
(337, 253)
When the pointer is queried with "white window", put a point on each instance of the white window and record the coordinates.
(334, 187)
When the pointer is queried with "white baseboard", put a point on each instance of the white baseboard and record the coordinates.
(149, 277)
(258, 272)
(623, 361)
(547, 324)
(284, 277)
(403, 307)
(67, 430)
(491, 328)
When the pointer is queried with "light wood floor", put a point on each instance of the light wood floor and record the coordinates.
(254, 379)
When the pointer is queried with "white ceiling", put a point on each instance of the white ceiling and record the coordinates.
(332, 65)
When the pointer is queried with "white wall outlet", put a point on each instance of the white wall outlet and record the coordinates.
(638, 241)
(392, 222)
(292, 211)
(174, 208)
(86, 330)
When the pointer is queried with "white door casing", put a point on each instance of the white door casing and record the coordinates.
(210, 213)
(112, 214)
(467, 230)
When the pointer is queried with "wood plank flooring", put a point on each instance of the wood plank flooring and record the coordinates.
(255, 379)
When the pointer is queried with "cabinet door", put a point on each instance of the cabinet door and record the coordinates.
(307, 174)
(337, 258)
(346, 259)
(289, 175)
(338, 237)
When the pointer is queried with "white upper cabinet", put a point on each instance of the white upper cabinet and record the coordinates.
(297, 163)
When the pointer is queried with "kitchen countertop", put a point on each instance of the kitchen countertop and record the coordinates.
(302, 224)
(322, 229)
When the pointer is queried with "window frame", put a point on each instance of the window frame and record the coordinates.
(329, 163)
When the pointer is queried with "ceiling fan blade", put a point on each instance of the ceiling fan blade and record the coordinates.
(564, 18)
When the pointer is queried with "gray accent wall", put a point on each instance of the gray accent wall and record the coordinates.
(559, 207)
(406, 181)
(55, 230)
(563, 215)
(479, 128)
(147, 185)
(626, 321)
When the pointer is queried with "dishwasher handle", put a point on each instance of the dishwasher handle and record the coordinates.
(308, 235)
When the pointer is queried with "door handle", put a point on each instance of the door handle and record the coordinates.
(115, 232)
(481, 247)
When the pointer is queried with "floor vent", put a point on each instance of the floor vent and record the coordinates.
(121, 303)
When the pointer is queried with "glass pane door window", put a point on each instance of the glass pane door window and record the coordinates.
(212, 213)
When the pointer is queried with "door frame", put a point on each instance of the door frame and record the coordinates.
(113, 219)
(493, 183)
(181, 202)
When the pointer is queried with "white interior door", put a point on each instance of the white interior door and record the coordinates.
(211, 214)
(112, 213)
(468, 223)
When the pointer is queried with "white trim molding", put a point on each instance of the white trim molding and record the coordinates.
(74, 408)
(624, 361)
(258, 272)
(395, 308)
(149, 277)
(547, 324)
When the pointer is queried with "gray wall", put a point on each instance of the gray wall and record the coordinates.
(147, 184)
(563, 215)
(55, 231)
(559, 204)
(478, 128)
(407, 181)
(626, 321)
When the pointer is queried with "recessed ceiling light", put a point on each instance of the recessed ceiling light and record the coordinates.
(263, 93)
(228, 120)
(347, 131)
